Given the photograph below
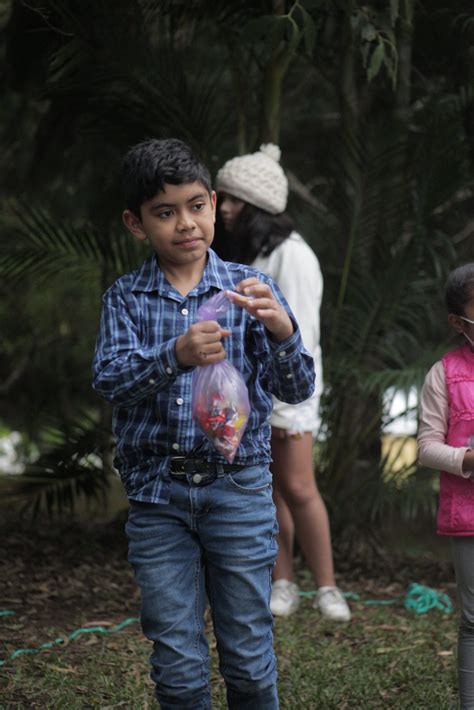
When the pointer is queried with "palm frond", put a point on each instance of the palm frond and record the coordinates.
(44, 247)
(68, 469)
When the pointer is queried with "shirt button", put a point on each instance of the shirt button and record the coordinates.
(175, 446)
(289, 376)
(180, 400)
(283, 353)
(151, 381)
(184, 311)
(169, 371)
(197, 478)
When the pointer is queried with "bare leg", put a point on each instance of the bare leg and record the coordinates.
(284, 563)
(294, 483)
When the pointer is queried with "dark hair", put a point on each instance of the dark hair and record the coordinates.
(459, 289)
(258, 233)
(150, 164)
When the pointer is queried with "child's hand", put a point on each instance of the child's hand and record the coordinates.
(468, 463)
(201, 344)
(259, 300)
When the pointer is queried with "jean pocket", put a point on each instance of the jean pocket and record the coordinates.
(251, 480)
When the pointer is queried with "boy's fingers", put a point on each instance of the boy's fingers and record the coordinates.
(211, 359)
(265, 303)
(211, 326)
(206, 326)
(214, 336)
(240, 300)
(245, 283)
(256, 290)
(212, 349)
(208, 332)
(253, 304)
(209, 354)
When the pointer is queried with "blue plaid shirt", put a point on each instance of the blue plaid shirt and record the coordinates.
(135, 368)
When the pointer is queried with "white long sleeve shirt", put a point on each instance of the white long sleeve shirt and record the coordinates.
(432, 449)
(295, 268)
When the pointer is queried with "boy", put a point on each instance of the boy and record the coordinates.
(196, 524)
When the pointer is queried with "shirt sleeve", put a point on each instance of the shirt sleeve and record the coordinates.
(433, 451)
(125, 372)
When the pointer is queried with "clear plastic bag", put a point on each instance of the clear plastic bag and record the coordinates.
(220, 400)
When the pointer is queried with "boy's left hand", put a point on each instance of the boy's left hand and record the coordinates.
(258, 299)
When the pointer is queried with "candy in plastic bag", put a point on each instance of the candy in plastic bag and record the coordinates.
(221, 406)
(220, 402)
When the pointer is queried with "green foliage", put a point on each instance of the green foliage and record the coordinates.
(375, 32)
(69, 467)
(44, 247)
(382, 310)
(371, 105)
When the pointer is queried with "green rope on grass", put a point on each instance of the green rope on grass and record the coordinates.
(418, 598)
(421, 599)
(71, 637)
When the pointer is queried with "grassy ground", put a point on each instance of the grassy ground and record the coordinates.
(57, 578)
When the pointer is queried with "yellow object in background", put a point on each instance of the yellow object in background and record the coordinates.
(398, 453)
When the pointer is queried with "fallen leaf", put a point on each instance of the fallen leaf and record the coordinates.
(62, 669)
(91, 641)
(387, 627)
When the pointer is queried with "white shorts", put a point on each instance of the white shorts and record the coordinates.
(297, 418)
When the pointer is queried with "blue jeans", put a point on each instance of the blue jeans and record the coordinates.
(218, 539)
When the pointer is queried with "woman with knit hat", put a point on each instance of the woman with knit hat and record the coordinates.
(253, 192)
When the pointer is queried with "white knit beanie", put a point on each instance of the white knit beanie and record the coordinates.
(257, 178)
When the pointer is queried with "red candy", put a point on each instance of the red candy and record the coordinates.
(222, 421)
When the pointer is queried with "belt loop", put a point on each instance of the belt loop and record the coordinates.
(220, 469)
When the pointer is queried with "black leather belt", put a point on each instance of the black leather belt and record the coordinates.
(183, 464)
(202, 472)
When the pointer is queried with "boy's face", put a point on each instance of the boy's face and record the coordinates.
(178, 223)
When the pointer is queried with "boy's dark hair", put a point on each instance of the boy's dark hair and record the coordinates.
(150, 164)
(459, 289)
(257, 232)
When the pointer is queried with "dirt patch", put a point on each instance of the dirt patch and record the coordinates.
(63, 574)
(68, 574)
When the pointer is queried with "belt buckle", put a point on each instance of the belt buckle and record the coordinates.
(182, 460)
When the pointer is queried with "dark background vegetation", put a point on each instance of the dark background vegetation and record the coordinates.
(372, 105)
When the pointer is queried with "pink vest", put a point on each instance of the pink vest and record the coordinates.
(456, 495)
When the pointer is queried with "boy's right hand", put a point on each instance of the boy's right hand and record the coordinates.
(201, 344)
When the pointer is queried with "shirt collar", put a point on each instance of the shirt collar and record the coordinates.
(215, 274)
(151, 278)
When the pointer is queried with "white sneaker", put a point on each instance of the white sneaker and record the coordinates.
(332, 604)
(284, 599)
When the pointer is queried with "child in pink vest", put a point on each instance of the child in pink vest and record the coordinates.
(446, 442)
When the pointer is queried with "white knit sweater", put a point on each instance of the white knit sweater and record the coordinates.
(295, 268)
